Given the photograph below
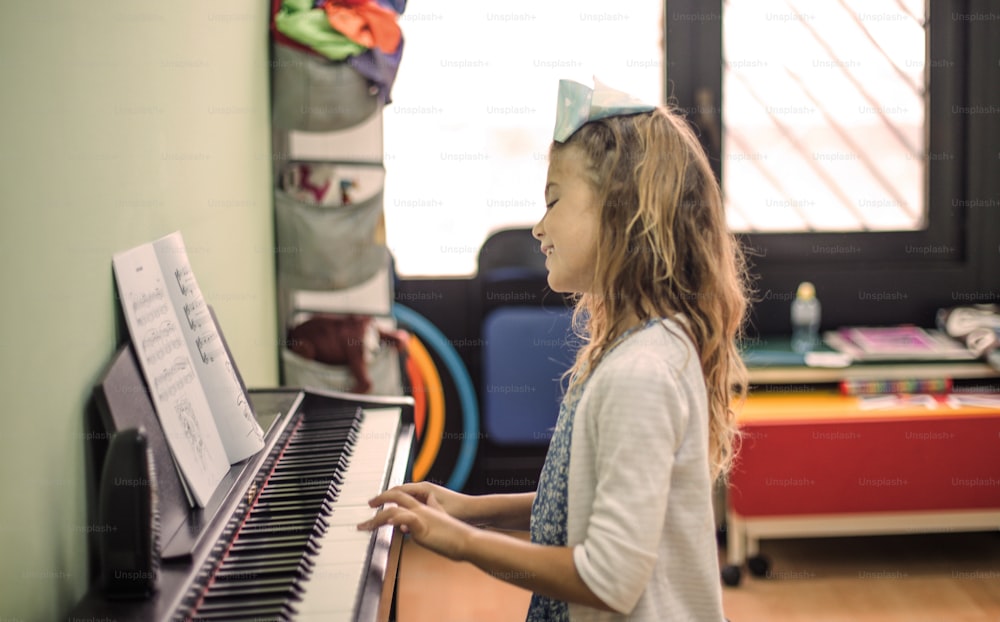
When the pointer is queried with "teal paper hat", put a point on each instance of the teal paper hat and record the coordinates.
(578, 104)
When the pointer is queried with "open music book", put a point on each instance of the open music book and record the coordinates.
(199, 399)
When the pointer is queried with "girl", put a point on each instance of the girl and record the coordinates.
(621, 523)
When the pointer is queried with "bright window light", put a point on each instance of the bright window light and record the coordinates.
(824, 110)
(467, 133)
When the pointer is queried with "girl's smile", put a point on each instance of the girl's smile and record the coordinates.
(568, 229)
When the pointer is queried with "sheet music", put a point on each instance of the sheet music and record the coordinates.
(199, 400)
(237, 425)
(170, 373)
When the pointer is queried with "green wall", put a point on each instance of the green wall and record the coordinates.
(121, 122)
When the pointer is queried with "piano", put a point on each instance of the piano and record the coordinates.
(278, 539)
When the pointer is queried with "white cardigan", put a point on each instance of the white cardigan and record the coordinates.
(640, 514)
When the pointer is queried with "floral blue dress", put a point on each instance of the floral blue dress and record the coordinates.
(548, 512)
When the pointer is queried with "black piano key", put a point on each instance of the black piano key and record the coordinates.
(316, 485)
(262, 557)
(244, 576)
(279, 513)
(263, 586)
(284, 512)
(290, 489)
(274, 602)
(310, 502)
(320, 446)
(250, 561)
(249, 553)
(289, 539)
(262, 521)
(314, 421)
(271, 605)
(292, 505)
(249, 570)
(283, 479)
(312, 425)
(313, 496)
(266, 523)
(324, 440)
(278, 542)
(303, 484)
(261, 615)
(298, 543)
(310, 457)
(278, 524)
(318, 419)
(263, 607)
(290, 480)
(311, 470)
(276, 535)
(303, 505)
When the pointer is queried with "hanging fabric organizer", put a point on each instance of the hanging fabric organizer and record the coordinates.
(314, 94)
(323, 247)
(326, 107)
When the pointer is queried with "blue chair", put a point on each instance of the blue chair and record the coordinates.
(526, 349)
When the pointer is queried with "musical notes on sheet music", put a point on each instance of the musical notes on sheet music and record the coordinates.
(160, 342)
(185, 280)
(196, 314)
(173, 380)
(149, 306)
(208, 347)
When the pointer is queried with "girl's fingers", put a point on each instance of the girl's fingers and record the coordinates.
(389, 516)
(398, 495)
(432, 502)
(417, 490)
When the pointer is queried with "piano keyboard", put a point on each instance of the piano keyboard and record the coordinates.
(296, 553)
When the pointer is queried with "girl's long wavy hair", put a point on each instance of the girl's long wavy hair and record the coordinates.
(664, 250)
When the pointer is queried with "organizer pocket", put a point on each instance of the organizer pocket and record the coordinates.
(383, 369)
(313, 94)
(330, 247)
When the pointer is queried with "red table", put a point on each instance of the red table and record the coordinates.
(822, 464)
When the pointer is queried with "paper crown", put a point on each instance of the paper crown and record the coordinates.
(578, 104)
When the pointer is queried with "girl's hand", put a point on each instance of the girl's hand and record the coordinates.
(453, 503)
(419, 513)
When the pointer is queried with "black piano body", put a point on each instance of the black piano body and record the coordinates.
(198, 546)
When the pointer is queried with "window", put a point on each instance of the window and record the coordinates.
(873, 273)
(824, 115)
(467, 134)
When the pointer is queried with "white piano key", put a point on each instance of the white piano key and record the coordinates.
(338, 572)
(369, 467)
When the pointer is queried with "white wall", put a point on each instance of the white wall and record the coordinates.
(121, 122)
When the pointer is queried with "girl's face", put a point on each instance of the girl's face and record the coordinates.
(568, 229)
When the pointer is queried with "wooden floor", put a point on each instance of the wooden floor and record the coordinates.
(952, 577)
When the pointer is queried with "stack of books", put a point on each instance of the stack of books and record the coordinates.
(897, 343)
